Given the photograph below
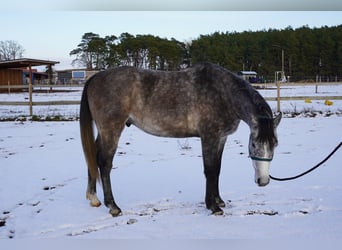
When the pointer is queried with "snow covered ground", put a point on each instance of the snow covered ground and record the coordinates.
(159, 185)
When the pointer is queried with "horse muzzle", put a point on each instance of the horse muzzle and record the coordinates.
(261, 168)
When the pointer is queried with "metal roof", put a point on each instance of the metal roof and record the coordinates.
(25, 62)
(247, 72)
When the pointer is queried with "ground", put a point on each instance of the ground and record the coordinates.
(159, 182)
(159, 185)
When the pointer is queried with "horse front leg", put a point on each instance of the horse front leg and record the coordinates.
(212, 154)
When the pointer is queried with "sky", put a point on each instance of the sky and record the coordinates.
(52, 34)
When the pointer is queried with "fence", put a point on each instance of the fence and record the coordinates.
(276, 86)
(280, 98)
(30, 103)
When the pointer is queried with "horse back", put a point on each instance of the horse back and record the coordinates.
(176, 104)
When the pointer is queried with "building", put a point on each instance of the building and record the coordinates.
(250, 76)
(20, 72)
(74, 76)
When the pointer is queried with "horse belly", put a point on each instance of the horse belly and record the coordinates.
(166, 126)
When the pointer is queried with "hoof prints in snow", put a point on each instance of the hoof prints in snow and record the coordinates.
(29, 208)
(154, 212)
(271, 212)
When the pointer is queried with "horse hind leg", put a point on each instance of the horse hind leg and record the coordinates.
(107, 144)
(91, 192)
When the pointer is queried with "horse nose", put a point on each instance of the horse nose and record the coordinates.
(263, 181)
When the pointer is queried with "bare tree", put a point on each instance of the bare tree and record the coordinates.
(10, 50)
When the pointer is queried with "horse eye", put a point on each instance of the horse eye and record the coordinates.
(253, 145)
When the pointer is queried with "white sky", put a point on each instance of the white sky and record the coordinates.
(53, 34)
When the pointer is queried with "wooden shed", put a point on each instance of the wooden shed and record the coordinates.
(12, 72)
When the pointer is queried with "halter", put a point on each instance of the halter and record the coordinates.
(260, 159)
(255, 158)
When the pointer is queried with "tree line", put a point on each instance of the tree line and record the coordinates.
(307, 52)
(143, 51)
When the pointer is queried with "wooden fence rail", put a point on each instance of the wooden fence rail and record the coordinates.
(260, 85)
(49, 88)
(35, 86)
(45, 103)
(300, 98)
(56, 103)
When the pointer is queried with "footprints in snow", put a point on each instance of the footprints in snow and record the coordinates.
(30, 207)
(6, 152)
(250, 206)
(7, 214)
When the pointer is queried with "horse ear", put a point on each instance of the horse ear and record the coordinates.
(276, 120)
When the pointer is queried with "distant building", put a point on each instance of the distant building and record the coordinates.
(74, 76)
(250, 76)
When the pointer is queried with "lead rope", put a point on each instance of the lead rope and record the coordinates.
(310, 170)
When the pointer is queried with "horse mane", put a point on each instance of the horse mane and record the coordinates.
(262, 111)
(259, 108)
(264, 120)
(266, 131)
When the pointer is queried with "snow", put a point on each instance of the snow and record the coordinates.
(159, 185)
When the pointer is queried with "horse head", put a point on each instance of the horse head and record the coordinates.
(262, 141)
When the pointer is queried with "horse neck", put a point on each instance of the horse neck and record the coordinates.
(251, 106)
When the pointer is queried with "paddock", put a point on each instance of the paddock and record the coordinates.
(163, 199)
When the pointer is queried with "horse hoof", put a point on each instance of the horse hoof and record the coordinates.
(220, 203)
(95, 203)
(115, 212)
(218, 212)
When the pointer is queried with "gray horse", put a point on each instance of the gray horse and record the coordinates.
(205, 101)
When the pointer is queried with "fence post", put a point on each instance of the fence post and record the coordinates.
(30, 89)
(278, 96)
(277, 81)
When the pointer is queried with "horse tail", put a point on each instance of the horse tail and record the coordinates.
(87, 134)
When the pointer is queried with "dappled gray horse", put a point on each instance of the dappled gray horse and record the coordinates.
(205, 101)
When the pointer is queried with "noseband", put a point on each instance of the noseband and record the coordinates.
(255, 158)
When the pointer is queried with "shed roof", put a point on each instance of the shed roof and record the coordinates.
(25, 62)
(247, 73)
